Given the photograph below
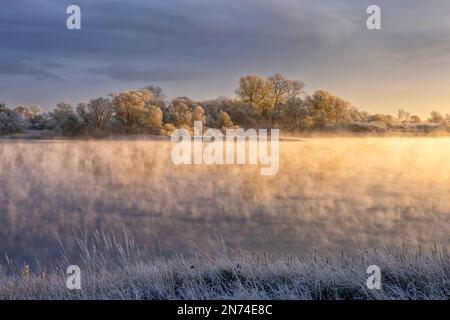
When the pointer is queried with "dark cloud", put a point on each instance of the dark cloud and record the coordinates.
(167, 30)
(52, 65)
(127, 72)
(244, 32)
(205, 44)
(20, 69)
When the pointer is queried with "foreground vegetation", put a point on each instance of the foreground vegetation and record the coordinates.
(275, 102)
(112, 269)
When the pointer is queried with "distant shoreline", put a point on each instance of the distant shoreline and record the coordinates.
(34, 135)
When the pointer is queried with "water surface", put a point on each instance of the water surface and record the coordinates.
(329, 194)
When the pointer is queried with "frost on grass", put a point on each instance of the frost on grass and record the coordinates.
(116, 269)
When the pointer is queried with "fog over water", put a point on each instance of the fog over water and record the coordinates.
(329, 193)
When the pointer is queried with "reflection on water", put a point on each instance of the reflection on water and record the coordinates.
(329, 193)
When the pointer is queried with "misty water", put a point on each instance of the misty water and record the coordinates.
(329, 194)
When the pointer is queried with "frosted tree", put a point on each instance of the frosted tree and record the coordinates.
(130, 107)
(10, 121)
(256, 91)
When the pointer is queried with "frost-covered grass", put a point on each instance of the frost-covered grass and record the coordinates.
(116, 269)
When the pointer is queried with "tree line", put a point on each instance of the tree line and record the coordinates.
(274, 102)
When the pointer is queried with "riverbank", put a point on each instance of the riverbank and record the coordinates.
(111, 270)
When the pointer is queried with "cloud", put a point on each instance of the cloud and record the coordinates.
(196, 30)
(250, 34)
(127, 72)
(325, 43)
(20, 69)
(52, 65)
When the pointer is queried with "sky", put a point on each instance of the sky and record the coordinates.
(200, 48)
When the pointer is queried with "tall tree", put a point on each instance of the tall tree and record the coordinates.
(284, 89)
(436, 117)
(257, 91)
(97, 113)
(130, 107)
(327, 109)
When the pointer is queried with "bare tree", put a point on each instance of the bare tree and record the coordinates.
(101, 111)
(436, 117)
(284, 89)
(159, 98)
(403, 115)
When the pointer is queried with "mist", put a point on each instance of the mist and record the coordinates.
(329, 194)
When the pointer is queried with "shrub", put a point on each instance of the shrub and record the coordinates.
(10, 121)
(225, 120)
